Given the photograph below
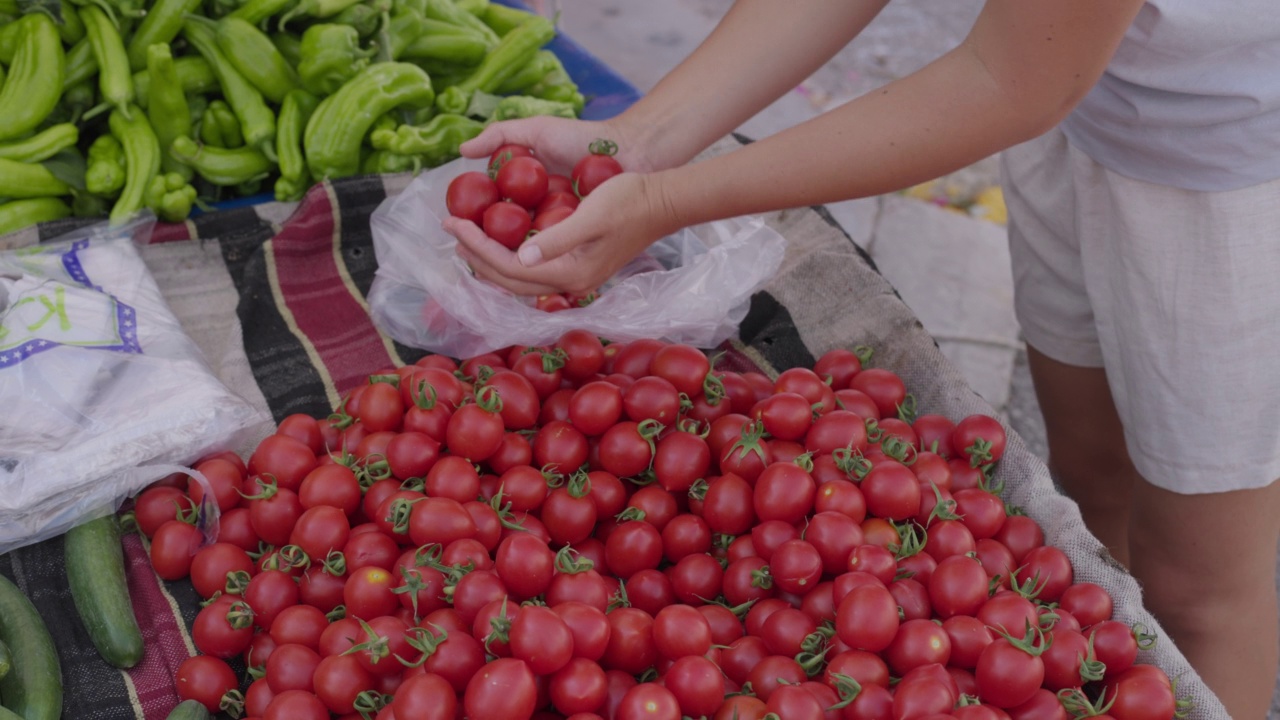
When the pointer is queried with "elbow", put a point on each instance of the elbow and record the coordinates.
(1034, 102)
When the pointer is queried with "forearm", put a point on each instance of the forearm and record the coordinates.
(1024, 66)
(758, 52)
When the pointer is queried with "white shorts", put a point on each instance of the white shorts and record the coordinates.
(1175, 293)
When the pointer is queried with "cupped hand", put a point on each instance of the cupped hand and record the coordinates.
(616, 222)
(559, 142)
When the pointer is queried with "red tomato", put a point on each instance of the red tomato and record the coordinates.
(223, 628)
(523, 180)
(507, 223)
(504, 689)
(292, 667)
(213, 563)
(224, 479)
(506, 154)
(470, 194)
(296, 705)
(548, 218)
(540, 637)
(591, 171)
(648, 701)
(206, 680)
(525, 565)
(633, 546)
(697, 685)
(979, 438)
(158, 505)
(369, 593)
(884, 388)
(867, 618)
(283, 458)
(1089, 603)
(173, 546)
(427, 696)
(581, 686)
(681, 631)
(1007, 675)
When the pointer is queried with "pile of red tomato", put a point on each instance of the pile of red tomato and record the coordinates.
(624, 532)
(517, 198)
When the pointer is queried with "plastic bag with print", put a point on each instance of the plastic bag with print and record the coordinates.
(101, 391)
(693, 287)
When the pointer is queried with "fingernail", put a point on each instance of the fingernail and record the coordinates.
(530, 254)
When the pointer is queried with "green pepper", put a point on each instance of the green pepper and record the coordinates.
(436, 40)
(504, 19)
(35, 77)
(297, 109)
(517, 48)
(219, 126)
(28, 180)
(169, 113)
(18, 214)
(251, 52)
(559, 87)
(436, 142)
(170, 197)
(523, 106)
(448, 11)
(336, 130)
(197, 104)
(10, 37)
(105, 174)
(81, 64)
(72, 28)
(114, 77)
(418, 6)
(78, 99)
(141, 160)
(220, 166)
(365, 18)
(2, 74)
(315, 8)
(88, 205)
(10, 7)
(290, 46)
(161, 25)
(542, 65)
(331, 56)
(41, 146)
(257, 121)
(475, 7)
(194, 74)
(383, 162)
(255, 11)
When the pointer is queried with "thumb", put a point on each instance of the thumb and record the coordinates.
(519, 132)
(553, 242)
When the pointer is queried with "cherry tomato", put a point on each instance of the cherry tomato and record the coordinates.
(504, 689)
(206, 680)
(506, 154)
(523, 180)
(548, 218)
(867, 618)
(427, 696)
(581, 686)
(296, 705)
(507, 223)
(173, 547)
(283, 458)
(470, 194)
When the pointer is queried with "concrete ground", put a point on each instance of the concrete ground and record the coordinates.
(965, 297)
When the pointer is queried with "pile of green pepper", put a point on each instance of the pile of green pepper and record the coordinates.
(110, 107)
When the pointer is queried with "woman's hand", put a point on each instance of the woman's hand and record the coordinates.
(616, 222)
(559, 142)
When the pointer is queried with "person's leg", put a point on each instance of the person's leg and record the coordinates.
(1087, 452)
(1207, 566)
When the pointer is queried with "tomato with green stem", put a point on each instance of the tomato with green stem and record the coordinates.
(696, 578)
(173, 547)
(1010, 670)
(210, 682)
(773, 672)
(595, 168)
(283, 458)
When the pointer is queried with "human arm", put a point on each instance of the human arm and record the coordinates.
(1022, 68)
(760, 50)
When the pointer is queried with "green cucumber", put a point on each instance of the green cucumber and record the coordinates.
(33, 688)
(6, 660)
(186, 710)
(95, 572)
(8, 715)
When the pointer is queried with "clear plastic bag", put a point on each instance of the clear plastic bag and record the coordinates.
(101, 391)
(693, 287)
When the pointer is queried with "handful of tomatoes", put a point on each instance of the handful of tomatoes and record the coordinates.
(517, 198)
(587, 531)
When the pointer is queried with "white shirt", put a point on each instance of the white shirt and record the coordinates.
(1191, 98)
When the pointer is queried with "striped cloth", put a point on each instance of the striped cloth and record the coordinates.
(275, 297)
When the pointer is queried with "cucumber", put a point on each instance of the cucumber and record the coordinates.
(186, 710)
(33, 688)
(6, 660)
(8, 715)
(95, 572)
